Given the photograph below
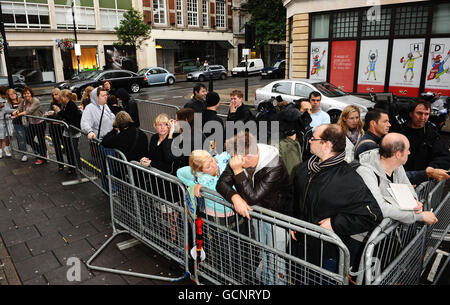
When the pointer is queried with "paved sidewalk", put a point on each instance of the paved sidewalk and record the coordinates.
(43, 223)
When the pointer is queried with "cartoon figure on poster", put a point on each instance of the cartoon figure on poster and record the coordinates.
(437, 66)
(373, 57)
(409, 64)
(316, 67)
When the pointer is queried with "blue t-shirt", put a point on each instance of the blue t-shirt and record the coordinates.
(319, 118)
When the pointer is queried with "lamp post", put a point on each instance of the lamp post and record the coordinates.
(75, 33)
(5, 50)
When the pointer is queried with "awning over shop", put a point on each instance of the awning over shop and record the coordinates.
(224, 44)
(167, 44)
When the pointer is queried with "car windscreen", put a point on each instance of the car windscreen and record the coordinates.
(277, 64)
(329, 90)
(142, 72)
(92, 74)
(203, 68)
(241, 64)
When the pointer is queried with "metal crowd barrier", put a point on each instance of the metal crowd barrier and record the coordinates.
(44, 140)
(438, 231)
(393, 254)
(150, 110)
(148, 205)
(92, 166)
(260, 251)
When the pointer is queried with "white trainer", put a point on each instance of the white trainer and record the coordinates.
(7, 151)
(24, 158)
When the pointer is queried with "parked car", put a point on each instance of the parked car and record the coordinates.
(18, 84)
(157, 75)
(254, 66)
(208, 72)
(276, 71)
(119, 79)
(333, 100)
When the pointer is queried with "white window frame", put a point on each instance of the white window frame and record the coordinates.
(25, 8)
(84, 17)
(179, 9)
(205, 13)
(192, 12)
(221, 14)
(159, 9)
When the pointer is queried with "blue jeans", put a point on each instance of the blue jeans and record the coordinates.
(21, 138)
(272, 268)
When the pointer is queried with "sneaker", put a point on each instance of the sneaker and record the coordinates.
(24, 158)
(39, 162)
(7, 151)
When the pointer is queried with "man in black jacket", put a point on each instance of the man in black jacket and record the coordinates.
(210, 113)
(430, 156)
(238, 110)
(260, 178)
(197, 102)
(328, 192)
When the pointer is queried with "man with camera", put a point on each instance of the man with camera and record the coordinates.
(430, 155)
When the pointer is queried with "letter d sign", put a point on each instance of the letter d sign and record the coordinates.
(74, 272)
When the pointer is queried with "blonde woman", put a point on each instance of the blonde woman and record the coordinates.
(56, 129)
(14, 101)
(204, 170)
(86, 99)
(158, 156)
(350, 121)
(36, 126)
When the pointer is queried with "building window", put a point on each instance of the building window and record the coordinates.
(179, 6)
(345, 24)
(111, 12)
(25, 15)
(220, 13)
(205, 13)
(159, 11)
(411, 20)
(192, 10)
(320, 26)
(376, 28)
(242, 22)
(84, 14)
(441, 19)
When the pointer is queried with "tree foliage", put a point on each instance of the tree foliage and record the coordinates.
(133, 31)
(269, 18)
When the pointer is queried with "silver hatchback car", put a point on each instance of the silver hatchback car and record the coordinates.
(208, 72)
(333, 100)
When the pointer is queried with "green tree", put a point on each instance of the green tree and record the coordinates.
(133, 31)
(269, 19)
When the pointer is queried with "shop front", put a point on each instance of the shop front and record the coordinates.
(34, 65)
(180, 56)
(402, 48)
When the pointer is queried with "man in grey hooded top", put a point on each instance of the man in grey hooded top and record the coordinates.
(97, 119)
(382, 166)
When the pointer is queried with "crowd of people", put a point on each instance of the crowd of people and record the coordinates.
(336, 176)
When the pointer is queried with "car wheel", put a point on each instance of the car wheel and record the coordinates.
(223, 76)
(170, 81)
(134, 88)
(334, 115)
(201, 78)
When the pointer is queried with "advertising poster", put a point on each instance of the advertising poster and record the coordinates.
(372, 65)
(120, 57)
(406, 66)
(343, 54)
(438, 72)
(318, 62)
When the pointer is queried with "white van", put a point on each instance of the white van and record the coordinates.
(255, 65)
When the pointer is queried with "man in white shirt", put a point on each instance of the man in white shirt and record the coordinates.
(318, 116)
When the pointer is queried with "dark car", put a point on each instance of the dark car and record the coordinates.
(18, 85)
(276, 71)
(207, 72)
(119, 79)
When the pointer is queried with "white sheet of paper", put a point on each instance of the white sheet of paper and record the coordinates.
(403, 196)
